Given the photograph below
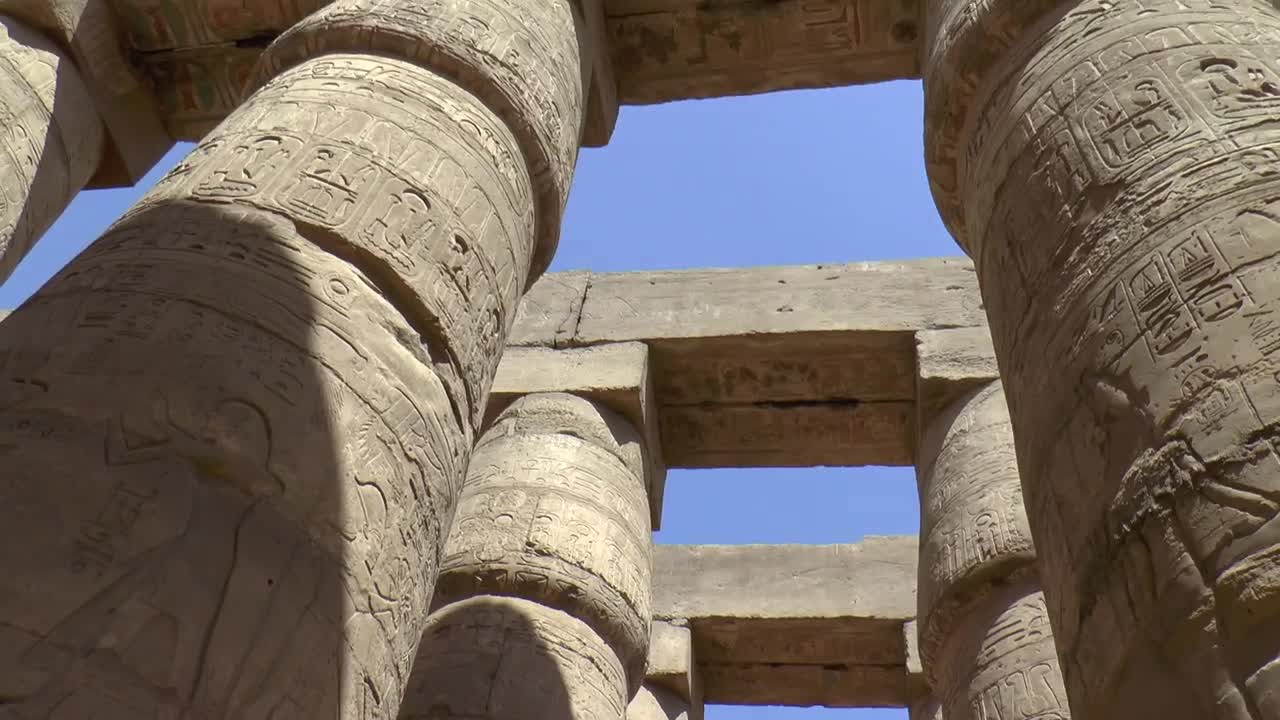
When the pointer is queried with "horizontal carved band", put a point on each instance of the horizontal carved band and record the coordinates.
(523, 60)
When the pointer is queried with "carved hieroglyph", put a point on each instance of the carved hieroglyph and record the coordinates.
(50, 138)
(1116, 181)
(555, 511)
(233, 431)
(984, 631)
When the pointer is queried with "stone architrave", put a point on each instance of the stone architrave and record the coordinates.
(984, 632)
(233, 431)
(51, 138)
(1112, 169)
(554, 512)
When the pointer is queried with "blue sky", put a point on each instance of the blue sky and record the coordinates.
(829, 176)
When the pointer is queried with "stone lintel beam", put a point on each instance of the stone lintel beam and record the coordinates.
(783, 366)
(949, 364)
(132, 117)
(795, 624)
(884, 297)
(617, 375)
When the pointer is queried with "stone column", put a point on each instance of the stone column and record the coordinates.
(984, 631)
(1112, 169)
(543, 602)
(51, 138)
(233, 431)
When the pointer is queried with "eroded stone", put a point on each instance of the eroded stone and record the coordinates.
(416, 182)
(926, 708)
(618, 375)
(1001, 662)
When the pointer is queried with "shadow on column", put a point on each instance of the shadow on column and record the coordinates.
(225, 460)
(505, 658)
